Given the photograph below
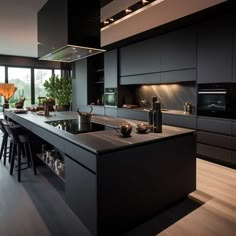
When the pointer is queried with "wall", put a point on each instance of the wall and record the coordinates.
(171, 96)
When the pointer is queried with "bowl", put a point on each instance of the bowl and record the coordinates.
(143, 128)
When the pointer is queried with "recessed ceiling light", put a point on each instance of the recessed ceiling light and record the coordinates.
(127, 10)
(145, 1)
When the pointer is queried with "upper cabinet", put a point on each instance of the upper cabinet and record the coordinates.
(168, 58)
(140, 58)
(234, 51)
(111, 69)
(215, 50)
(178, 50)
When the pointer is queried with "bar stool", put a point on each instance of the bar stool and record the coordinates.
(20, 145)
(4, 148)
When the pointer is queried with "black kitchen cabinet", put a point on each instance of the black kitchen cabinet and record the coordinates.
(219, 140)
(132, 114)
(233, 158)
(81, 193)
(214, 50)
(214, 125)
(110, 111)
(216, 140)
(214, 153)
(234, 128)
(111, 69)
(178, 76)
(140, 58)
(186, 121)
(98, 110)
(178, 50)
(234, 53)
(152, 78)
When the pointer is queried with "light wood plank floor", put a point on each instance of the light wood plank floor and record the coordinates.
(37, 207)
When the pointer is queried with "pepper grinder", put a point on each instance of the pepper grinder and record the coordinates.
(150, 112)
(157, 118)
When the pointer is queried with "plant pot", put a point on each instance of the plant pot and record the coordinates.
(63, 107)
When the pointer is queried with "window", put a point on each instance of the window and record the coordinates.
(21, 78)
(2, 74)
(57, 72)
(40, 76)
(2, 80)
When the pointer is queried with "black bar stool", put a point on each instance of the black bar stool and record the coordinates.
(4, 148)
(20, 145)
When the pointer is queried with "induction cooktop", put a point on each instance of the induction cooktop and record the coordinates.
(73, 126)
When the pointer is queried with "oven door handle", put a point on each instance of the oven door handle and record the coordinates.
(212, 92)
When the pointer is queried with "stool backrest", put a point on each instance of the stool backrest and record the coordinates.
(11, 131)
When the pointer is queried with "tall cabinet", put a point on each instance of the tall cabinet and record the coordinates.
(215, 50)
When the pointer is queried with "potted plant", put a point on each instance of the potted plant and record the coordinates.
(61, 90)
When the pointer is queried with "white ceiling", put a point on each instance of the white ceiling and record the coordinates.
(18, 27)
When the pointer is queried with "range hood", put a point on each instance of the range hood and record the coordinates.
(67, 32)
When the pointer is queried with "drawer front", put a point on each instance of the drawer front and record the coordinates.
(53, 139)
(233, 143)
(179, 120)
(233, 158)
(111, 111)
(212, 125)
(214, 139)
(98, 110)
(82, 156)
(214, 152)
(134, 115)
(152, 78)
(234, 128)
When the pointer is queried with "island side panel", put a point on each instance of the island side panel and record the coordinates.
(81, 193)
(134, 183)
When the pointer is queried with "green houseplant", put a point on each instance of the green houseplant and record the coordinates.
(59, 88)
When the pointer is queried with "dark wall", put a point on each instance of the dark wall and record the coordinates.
(171, 96)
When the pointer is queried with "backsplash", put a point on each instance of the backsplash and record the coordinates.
(171, 96)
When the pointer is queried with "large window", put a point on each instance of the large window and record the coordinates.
(57, 72)
(21, 78)
(2, 80)
(40, 75)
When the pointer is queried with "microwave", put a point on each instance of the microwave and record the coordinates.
(217, 100)
(110, 97)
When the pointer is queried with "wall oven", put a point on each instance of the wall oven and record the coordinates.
(110, 97)
(217, 100)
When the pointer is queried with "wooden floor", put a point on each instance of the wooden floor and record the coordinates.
(37, 206)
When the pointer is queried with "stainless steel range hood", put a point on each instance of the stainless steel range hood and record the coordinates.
(67, 32)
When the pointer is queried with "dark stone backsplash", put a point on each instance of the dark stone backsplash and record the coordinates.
(171, 96)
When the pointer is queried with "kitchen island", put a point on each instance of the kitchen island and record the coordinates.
(114, 183)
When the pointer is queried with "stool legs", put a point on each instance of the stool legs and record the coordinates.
(32, 159)
(20, 150)
(3, 145)
(13, 154)
(19, 161)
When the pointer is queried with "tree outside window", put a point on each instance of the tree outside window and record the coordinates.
(40, 76)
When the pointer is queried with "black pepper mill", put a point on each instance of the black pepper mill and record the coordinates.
(157, 118)
(150, 112)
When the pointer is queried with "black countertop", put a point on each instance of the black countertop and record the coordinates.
(100, 141)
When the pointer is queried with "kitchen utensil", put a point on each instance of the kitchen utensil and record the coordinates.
(84, 119)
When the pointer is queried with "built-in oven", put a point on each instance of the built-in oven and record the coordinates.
(217, 100)
(110, 97)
